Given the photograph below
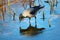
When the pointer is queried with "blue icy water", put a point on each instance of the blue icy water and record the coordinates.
(9, 29)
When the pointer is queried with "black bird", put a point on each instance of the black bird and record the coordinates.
(28, 13)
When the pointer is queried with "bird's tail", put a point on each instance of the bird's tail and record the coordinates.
(42, 7)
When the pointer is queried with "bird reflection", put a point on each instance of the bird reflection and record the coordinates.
(30, 31)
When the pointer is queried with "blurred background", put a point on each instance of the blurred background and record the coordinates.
(9, 28)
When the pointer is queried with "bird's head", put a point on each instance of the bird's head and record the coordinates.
(21, 17)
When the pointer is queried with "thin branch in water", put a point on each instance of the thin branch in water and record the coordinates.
(9, 7)
(49, 23)
(51, 7)
(3, 8)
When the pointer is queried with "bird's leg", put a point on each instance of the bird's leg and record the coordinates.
(29, 22)
(35, 23)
